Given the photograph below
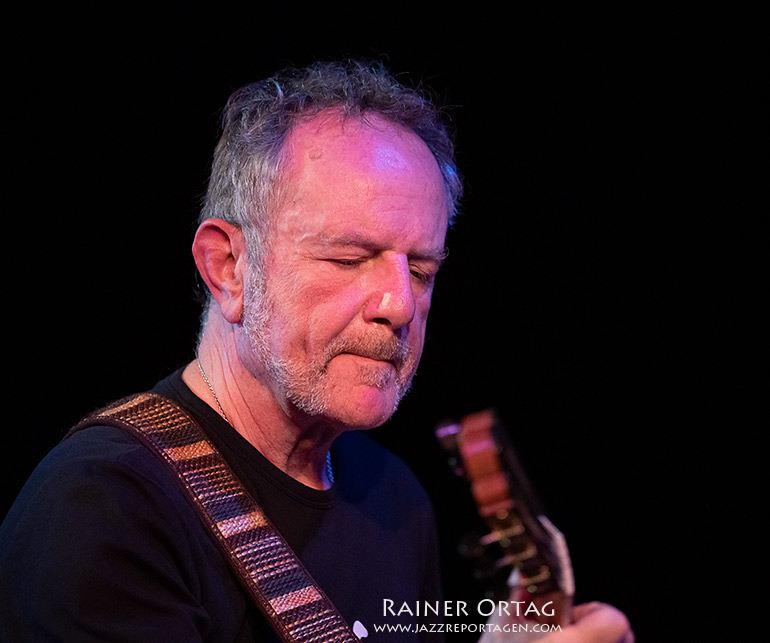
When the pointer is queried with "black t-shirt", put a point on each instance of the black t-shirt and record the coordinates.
(101, 545)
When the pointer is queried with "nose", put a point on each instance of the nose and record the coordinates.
(391, 300)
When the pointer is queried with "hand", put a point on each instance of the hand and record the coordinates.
(594, 623)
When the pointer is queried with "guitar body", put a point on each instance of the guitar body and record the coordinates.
(521, 542)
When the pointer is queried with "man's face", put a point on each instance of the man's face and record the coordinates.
(353, 251)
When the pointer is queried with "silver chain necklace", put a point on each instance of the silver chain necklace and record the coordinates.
(213, 392)
(329, 472)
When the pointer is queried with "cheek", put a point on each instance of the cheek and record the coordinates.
(325, 311)
(421, 313)
(417, 329)
(422, 310)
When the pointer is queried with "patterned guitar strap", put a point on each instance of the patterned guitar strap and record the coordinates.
(274, 577)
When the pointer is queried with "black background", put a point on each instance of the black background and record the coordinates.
(589, 295)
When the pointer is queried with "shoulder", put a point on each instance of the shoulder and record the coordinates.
(101, 452)
(96, 475)
(101, 507)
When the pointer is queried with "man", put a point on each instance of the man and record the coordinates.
(323, 231)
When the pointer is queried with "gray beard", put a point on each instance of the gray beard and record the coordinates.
(306, 386)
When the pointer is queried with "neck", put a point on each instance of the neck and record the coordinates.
(299, 448)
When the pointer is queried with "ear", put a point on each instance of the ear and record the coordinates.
(220, 254)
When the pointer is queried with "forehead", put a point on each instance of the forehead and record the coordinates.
(368, 142)
(339, 171)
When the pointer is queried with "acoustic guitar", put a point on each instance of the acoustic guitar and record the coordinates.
(521, 546)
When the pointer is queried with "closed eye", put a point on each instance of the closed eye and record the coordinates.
(421, 275)
(425, 275)
(347, 262)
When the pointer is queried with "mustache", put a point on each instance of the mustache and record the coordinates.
(391, 349)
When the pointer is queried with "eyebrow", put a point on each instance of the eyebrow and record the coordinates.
(356, 240)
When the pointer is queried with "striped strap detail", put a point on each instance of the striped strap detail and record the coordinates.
(275, 578)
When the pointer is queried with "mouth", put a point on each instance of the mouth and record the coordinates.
(379, 352)
(373, 358)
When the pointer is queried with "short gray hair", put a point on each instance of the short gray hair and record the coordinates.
(257, 119)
